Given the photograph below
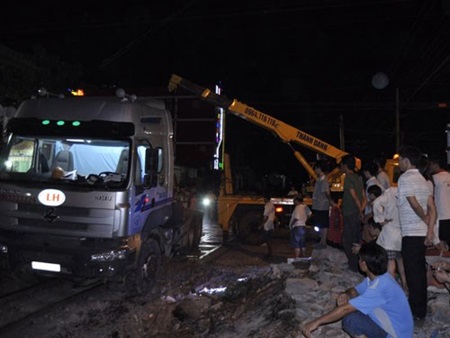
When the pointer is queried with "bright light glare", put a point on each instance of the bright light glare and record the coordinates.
(220, 289)
(206, 201)
(213, 290)
(3, 248)
(109, 256)
(316, 229)
(78, 92)
(8, 164)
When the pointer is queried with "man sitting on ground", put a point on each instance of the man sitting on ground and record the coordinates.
(377, 307)
(441, 271)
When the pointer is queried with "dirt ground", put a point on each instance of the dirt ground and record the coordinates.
(234, 292)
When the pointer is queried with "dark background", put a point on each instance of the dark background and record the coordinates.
(308, 63)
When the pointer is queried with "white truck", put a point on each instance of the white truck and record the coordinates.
(86, 189)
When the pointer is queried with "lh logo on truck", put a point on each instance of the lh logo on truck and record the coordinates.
(51, 197)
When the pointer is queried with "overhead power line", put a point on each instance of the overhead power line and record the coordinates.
(142, 37)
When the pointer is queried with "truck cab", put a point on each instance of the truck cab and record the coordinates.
(86, 188)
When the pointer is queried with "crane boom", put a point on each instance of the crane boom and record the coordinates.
(285, 132)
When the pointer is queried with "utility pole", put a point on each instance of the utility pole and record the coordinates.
(448, 143)
(397, 120)
(341, 132)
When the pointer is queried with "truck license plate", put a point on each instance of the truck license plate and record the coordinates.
(46, 266)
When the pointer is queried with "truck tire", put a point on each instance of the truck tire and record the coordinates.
(197, 229)
(143, 279)
(193, 230)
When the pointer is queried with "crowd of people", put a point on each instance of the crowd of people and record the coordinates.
(386, 232)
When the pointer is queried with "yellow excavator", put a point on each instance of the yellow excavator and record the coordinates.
(242, 212)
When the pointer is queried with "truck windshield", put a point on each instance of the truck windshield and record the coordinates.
(43, 158)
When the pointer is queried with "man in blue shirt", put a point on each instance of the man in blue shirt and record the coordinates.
(377, 307)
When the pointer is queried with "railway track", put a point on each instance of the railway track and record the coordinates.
(21, 307)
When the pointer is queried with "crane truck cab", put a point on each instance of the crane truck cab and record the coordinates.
(111, 213)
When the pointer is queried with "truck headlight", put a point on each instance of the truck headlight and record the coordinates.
(3, 248)
(109, 256)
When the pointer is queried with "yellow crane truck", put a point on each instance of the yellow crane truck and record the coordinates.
(242, 212)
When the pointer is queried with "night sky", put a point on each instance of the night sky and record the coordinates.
(308, 63)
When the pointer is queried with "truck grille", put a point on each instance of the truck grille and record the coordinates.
(89, 222)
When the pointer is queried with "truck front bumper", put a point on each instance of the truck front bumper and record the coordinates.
(71, 257)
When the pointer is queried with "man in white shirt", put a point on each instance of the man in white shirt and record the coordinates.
(268, 224)
(297, 224)
(321, 203)
(417, 213)
(382, 176)
(292, 193)
(385, 212)
(441, 179)
(370, 170)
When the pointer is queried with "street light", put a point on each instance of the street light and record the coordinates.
(380, 81)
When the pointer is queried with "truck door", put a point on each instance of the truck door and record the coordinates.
(151, 194)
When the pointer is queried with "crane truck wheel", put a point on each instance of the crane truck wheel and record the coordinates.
(143, 279)
(247, 227)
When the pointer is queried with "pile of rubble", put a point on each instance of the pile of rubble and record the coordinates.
(236, 295)
(315, 293)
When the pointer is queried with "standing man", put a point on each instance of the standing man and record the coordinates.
(297, 224)
(292, 193)
(321, 203)
(385, 212)
(382, 176)
(417, 213)
(370, 170)
(441, 179)
(353, 204)
(268, 224)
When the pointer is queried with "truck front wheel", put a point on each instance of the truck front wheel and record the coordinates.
(144, 277)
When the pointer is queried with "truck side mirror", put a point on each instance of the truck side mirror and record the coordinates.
(151, 167)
